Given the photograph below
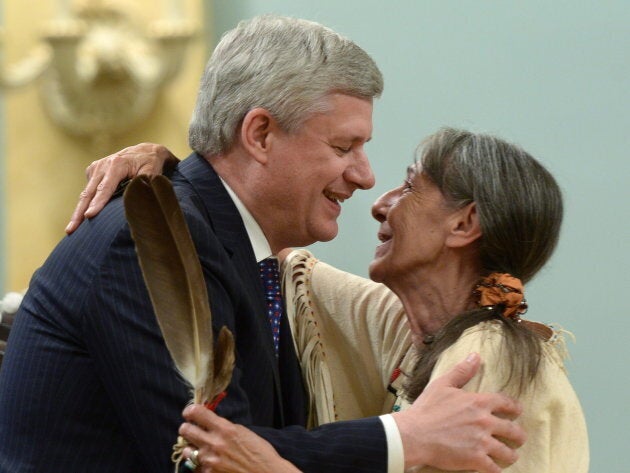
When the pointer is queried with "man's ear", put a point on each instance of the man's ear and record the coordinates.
(255, 130)
(464, 227)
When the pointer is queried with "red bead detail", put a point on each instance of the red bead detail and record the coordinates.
(214, 404)
(395, 375)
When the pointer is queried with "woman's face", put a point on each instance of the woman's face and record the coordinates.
(414, 220)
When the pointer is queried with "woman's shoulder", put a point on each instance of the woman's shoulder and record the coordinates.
(489, 339)
(552, 415)
(489, 334)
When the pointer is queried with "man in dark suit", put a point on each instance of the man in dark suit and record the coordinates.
(283, 113)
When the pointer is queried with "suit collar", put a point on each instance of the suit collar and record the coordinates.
(220, 209)
(223, 216)
(256, 236)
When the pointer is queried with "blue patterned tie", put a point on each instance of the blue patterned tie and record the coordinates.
(273, 298)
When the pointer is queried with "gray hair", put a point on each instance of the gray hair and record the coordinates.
(518, 201)
(285, 65)
(519, 205)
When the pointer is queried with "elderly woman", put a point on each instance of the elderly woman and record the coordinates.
(474, 220)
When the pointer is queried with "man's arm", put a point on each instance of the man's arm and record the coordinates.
(446, 428)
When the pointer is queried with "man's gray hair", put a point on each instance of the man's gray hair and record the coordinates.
(287, 66)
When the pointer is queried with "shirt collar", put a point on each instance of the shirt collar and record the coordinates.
(260, 245)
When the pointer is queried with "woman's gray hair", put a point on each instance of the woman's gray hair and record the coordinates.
(519, 205)
(518, 201)
(285, 65)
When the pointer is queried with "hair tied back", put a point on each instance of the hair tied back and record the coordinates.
(502, 290)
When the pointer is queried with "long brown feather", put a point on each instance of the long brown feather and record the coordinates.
(174, 278)
(224, 361)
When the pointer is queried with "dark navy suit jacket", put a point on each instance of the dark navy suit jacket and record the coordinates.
(87, 383)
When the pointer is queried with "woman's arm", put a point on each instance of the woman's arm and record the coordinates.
(105, 174)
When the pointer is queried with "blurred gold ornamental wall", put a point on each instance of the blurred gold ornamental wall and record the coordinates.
(54, 128)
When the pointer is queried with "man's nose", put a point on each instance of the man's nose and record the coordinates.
(360, 172)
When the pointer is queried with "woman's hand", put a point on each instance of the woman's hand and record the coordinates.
(105, 174)
(224, 447)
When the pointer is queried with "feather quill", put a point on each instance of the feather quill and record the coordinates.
(174, 278)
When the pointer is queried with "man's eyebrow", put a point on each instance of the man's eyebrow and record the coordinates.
(353, 139)
(360, 139)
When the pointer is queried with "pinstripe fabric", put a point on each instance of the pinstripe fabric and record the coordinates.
(88, 385)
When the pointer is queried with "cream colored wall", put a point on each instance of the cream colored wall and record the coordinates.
(44, 165)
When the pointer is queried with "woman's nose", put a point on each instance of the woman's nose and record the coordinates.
(382, 205)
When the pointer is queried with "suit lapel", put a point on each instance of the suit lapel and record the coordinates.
(229, 228)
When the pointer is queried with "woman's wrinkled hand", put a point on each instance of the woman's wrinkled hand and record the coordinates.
(224, 447)
(105, 174)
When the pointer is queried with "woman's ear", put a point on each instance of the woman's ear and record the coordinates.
(464, 227)
(255, 130)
